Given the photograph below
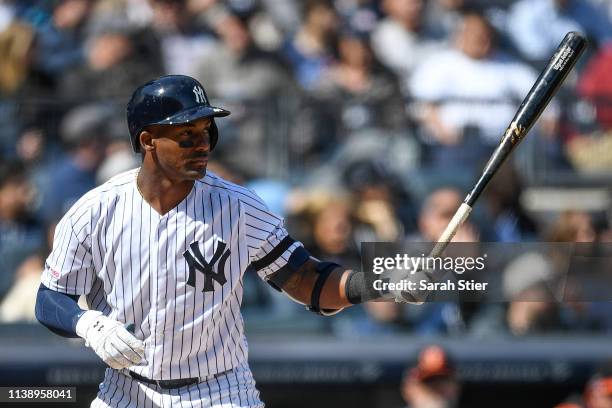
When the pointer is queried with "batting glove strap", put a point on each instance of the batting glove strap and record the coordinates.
(84, 323)
(110, 340)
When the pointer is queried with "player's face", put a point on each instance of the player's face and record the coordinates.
(182, 150)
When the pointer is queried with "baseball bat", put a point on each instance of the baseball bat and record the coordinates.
(542, 91)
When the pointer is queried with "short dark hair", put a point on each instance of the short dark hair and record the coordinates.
(11, 171)
(309, 5)
(480, 14)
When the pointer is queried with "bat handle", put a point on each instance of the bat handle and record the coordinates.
(451, 229)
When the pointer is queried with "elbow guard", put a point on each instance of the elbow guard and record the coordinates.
(324, 269)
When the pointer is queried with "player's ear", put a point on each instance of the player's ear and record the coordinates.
(146, 141)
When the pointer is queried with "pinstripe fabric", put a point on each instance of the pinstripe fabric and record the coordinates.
(234, 389)
(152, 270)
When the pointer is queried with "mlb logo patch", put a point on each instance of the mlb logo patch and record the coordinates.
(52, 271)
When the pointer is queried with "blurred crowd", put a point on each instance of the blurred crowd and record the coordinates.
(435, 381)
(357, 120)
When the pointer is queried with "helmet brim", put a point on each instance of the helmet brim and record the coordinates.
(195, 113)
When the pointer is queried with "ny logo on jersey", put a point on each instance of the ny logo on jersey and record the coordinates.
(195, 261)
(200, 97)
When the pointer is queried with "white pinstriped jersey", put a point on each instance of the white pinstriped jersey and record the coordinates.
(177, 277)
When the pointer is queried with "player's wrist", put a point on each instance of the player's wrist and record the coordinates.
(357, 290)
(324, 270)
(84, 322)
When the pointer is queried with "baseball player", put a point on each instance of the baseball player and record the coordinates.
(159, 253)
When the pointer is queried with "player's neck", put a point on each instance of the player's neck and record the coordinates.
(162, 193)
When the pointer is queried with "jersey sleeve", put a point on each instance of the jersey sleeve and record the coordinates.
(268, 242)
(69, 267)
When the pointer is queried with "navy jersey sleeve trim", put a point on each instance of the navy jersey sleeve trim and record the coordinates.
(298, 258)
(58, 311)
(273, 255)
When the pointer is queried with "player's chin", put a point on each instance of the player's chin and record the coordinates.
(195, 174)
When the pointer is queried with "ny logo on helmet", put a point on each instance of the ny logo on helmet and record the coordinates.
(195, 261)
(199, 94)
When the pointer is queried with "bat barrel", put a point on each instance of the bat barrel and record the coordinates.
(532, 107)
(549, 82)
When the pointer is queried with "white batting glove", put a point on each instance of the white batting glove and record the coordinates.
(110, 340)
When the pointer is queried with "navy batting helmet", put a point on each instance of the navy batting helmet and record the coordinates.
(170, 100)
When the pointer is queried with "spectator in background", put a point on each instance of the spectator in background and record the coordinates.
(384, 210)
(249, 81)
(16, 42)
(509, 219)
(431, 318)
(30, 147)
(34, 150)
(20, 232)
(16, 306)
(357, 92)
(436, 212)
(402, 39)
(572, 226)
(84, 132)
(445, 15)
(119, 155)
(585, 278)
(534, 283)
(182, 40)
(589, 148)
(528, 284)
(235, 69)
(113, 63)
(537, 26)
(7, 13)
(323, 221)
(284, 14)
(466, 96)
(432, 382)
(60, 40)
(598, 392)
(327, 219)
(138, 12)
(309, 52)
(378, 203)
(605, 5)
(595, 85)
(360, 15)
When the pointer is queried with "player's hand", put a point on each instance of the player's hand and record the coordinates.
(110, 340)
(390, 284)
(415, 296)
